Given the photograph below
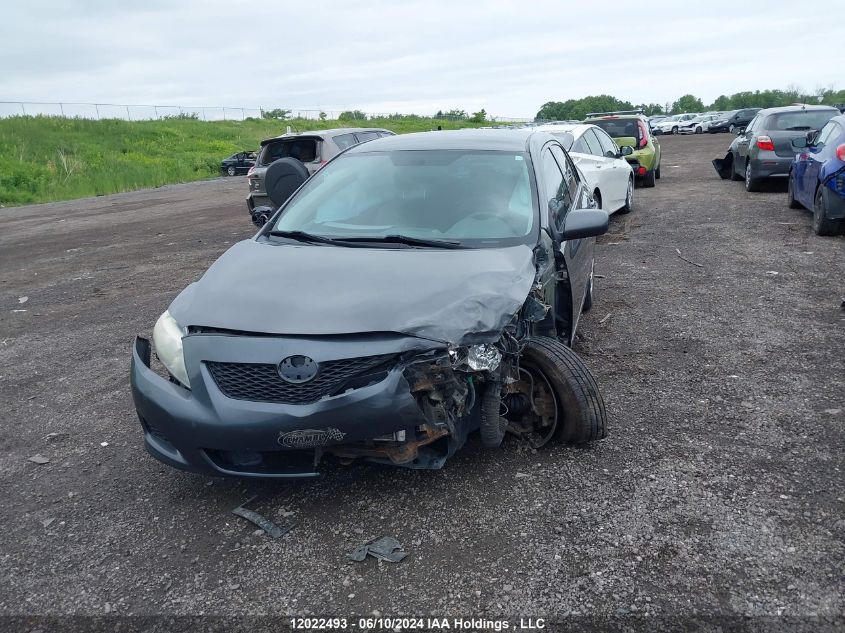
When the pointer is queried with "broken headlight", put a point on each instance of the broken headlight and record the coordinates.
(167, 340)
(476, 357)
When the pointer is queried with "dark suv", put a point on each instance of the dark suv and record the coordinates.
(732, 121)
(312, 149)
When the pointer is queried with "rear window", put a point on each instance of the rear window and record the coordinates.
(304, 150)
(618, 128)
(344, 140)
(800, 120)
(363, 137)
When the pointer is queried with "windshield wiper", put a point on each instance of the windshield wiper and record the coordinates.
(406, 239)
(303, 236)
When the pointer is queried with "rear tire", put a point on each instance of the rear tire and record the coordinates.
(657, 172)
(581, 412)
(648, 179)
(823, 225)
(629, 198)
(790, 195)
(751, 183)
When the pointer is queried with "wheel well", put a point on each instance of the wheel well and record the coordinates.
(597, 196)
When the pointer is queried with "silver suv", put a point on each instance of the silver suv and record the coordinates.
(312, 149)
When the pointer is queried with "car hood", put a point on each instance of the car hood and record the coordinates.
(452, 296)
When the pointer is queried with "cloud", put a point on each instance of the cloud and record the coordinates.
(507, 57)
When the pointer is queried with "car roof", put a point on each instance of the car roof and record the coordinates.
(471, 139)
(324, 133)
(576, 129)
(615, 116)
(797, 108)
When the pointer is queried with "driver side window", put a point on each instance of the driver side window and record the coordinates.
(561, 182)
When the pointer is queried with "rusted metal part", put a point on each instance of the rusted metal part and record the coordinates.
(532, 407)
(396, 453)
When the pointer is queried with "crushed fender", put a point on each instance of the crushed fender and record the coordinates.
(265, 524)
(384, 548)
(724, 166)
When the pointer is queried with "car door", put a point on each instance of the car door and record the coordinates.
(816, 155)
(743, 143)
(570, 194)
(618, 173)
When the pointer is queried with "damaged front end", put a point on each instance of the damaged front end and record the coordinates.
(467, 388)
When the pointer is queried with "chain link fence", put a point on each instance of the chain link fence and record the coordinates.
(137, 112)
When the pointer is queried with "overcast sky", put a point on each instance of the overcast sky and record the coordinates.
(408, 55)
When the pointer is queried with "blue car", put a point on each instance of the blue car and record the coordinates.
(817, 177)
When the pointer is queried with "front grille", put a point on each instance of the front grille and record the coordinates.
(261, 382)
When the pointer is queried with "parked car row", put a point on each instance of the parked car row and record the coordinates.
(411, 291)
(806, 145)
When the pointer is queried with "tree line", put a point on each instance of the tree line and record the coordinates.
(579, 108)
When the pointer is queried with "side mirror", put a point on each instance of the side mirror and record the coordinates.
(584, 223)
(800, 143)
(740, 131)
(626, 150)
(811, 137)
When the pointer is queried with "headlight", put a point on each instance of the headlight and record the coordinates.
(476, 357)
(167, 340)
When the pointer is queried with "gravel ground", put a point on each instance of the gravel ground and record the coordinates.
(717, 493)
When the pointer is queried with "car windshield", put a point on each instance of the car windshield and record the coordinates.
(477, 198)
(800, 120)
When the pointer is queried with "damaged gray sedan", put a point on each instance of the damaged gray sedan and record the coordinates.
(416, 289)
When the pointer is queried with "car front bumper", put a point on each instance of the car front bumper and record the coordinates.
(203, 430)
(257, 199)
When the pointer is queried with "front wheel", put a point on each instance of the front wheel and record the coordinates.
(822, 224)
(674, 130)
(698, 130)
(231, 170)
(581, 415)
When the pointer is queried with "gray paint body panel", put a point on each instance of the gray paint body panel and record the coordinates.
(308, 290)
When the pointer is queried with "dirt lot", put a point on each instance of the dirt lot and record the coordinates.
(718, 492)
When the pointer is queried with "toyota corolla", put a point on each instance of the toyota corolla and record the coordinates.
(415, 290)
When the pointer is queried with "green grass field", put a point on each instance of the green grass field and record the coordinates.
(43, 159)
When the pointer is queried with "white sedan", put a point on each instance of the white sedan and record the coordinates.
(601, 162)
(696, 125)
(673, 123)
